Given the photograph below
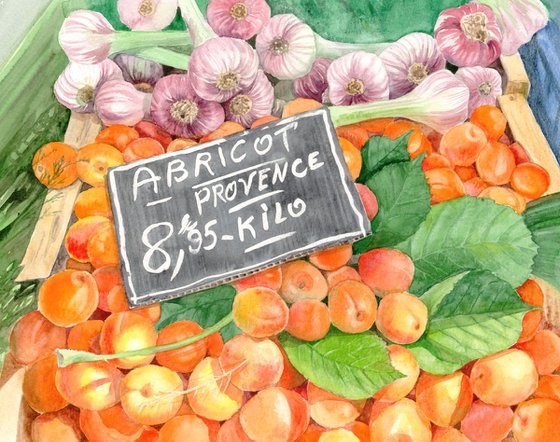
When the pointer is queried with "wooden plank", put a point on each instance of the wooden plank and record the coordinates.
(51, 226)
(517, 80)
(527, 132)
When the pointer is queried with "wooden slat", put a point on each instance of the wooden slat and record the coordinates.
(50, 229)
(517, 80)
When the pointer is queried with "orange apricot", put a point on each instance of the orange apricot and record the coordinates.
(309, 320)
(39, 388)
(260, 312)
(386, 271)
(290, 378)
(465, 172)
(180, 144)
(352, 157)
(495, 163)
(232, 431)
(530, 180)
(435, 161)
(94, 160)
(330, 410)
(549, 387)
(532, 294)
(93, 202)
(463, 143)
(225, 129)
(142, 148)
(354, 133)
(340, 435)
(275, 415)
(111, 424)
(149, 434)
(107, 279)
(127, 331)
(85, 336)
(34, 336)
(474, 186)
(404, 361)
(89, 385)
(505, 378)
(184, 428)
(537, 420)
(352, 306)
(269, 278)
(151, 395)
(54, 165)
(214, 344)
(210, 392)
(151, 312)
(183, 359)
(61, 426)
(68, 297)
(491, 120)
(360, 430)
(369, 200)
(503, 196)
(299, 106)
(444, 399)
(264, 120)
(147, 129)
(312, 433)
(117, 135)
(448, 434)
(487, 423)
(80, 233)
(102, 248)
(253, 364)
(400, 421)
(302, 280)
(333, 258)
(375, 126)
(544, 349)
(345, 273)
(444, 184)
(519, 153)
(118, 302)
(402, 317)
(418, 143)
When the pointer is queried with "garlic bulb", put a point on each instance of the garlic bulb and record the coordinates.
(252, 103)
(147, 15)
(142, 73)
(485, 85)
(118, 102)
(314, 84)
(237, 18)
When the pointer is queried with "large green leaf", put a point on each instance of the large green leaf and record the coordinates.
(355, 366)
(205, 308)
(471, 315)
(381, 151)
(404, 201)
(470, 233)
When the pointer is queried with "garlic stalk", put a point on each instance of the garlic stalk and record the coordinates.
(163, 56)
(441, 101)
(199, 29)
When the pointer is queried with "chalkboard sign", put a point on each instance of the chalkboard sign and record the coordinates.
(199, 217)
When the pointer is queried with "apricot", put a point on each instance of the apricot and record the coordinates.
(352, 157)
(254, 364)
(117, 135)
(333, 258)
(89, 385)
(418, 143)
(34, 336)
(404, 361)
(505, 378)
(183, 359)
(495, 163)
(441, 434)
(465, 172)
(549, 387)
(354, 133)
(402, 317)
(340, 435)
(94, 160)
(118, 302)
(290, 378)
(180, 144)
(309, 320)
(54, 165)
(300, 105)
(142, 148)
(107, 278)
(80, 233)
(214, 344)
(301, 280)
(210, 392)
(519, 153)
(532, 294)
(102, 248)
(444, 184)
(537, 420)
(503, 196)
(530, 180)
(435, 161)
(444, 399)
(544, 349)
(111, 424)
(330, 410)
(85, 336)
(312, 433)
(352, 306)
(68, 297)
(151, 312)
(360, 430)
(93, 202)
(369, 200)
(151, 395)
(487, 423)
(375, 126)
(149, 435)
(260, 312)
(61, 426)
(263, 120)
(184, 428)
(400, 421)
(491, 120)
(474, 186)
(386, 271)
(127, 331)
(269, 278)
(39, 389)
(232, 431)
(225, 129)
(345, 273)
(275, 415)
(463, 143)
(147, 129)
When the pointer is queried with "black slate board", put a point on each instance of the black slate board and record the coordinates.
(199, 217)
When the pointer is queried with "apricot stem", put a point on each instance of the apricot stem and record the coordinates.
(68, 357)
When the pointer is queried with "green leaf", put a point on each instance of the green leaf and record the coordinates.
(381, 151)
(543, 220)
(205, 308)
(403, 196)
(355, 366)
(471, 315)
(466, 234)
